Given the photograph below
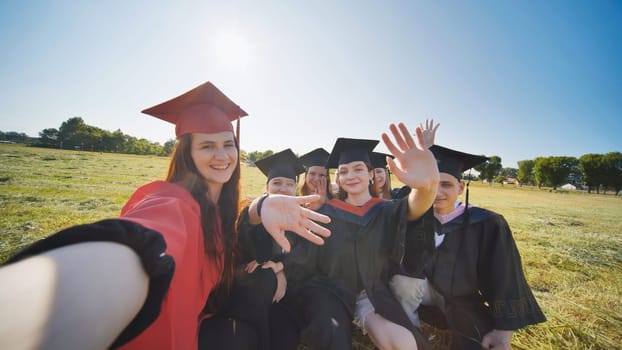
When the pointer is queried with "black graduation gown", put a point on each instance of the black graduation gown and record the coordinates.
(478, 270)
(244, 321)
(365, 246)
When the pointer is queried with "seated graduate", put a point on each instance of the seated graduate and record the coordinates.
(368, 236)
(141, 281)
(316, 179)
(477, 287)
(259, 279)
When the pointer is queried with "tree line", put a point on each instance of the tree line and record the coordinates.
(74, 133)
(597, 172)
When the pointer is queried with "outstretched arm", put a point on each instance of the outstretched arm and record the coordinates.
(281, 213)
(415, 166)
(80, 296)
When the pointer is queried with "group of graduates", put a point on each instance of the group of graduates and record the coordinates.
(184, 267)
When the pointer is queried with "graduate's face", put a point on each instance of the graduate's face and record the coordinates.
(354, 177)
(215, 156)
(281, 185)
(380, 177)
(315, 173)
(447, 194)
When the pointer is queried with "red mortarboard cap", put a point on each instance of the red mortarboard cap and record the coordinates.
(204, 109)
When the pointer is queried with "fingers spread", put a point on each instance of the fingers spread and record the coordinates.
(390, 146)
(315, 216)
(394, 168)
(308, 235)
(410, 142)
(281, 240)
(308, 199)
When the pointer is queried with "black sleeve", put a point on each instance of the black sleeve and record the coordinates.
(148, 244)
(419, 244)
(254, 242)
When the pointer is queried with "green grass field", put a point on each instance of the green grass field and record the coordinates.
(571, 243)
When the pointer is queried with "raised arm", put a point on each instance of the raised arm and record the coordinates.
(281, 213)
(415, 166)
(80, 296)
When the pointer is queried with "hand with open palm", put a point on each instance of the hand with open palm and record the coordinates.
(414, 164)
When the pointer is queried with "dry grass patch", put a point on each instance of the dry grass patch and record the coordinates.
(570, 243)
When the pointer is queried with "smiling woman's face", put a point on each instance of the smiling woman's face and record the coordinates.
(282, 185)
(215, 156)
(354, 177)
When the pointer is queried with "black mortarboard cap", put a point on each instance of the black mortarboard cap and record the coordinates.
(317, 157)
(282, 164)
(379, 160)
(455, 162)
(350, 150)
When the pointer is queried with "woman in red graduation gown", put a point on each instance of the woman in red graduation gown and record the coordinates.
(141, 281)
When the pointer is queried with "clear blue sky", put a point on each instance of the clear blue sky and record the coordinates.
(517, 79)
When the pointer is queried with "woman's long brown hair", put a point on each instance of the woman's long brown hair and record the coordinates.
(385, 192)
(184, 172)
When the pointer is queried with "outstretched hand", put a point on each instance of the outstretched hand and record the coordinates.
(429, 132)
(318, 186)
(281, 213)
(497, 340)
(414, 164)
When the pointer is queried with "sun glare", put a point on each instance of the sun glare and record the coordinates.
(232, 50)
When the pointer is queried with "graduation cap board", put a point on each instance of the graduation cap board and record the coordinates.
(455, 162)
(204, 109)
(282, 164)
(348, 150)
(317, 157)
(379, 160)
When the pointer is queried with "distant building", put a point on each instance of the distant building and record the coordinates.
(570, 186)
(511, 181)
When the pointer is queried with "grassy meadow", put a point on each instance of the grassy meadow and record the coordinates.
(571, 243)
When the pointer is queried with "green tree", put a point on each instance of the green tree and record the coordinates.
(525, 172)
(508, 173)
(499, 179)
(554, 171)
(168, 147)
(49, 138)
(243, 156)
(12, 136)
(613, 170)
(67, 133)
(258, 155)
(593, 170)
(489, 169)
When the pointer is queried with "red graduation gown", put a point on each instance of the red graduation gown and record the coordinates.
(170, 210)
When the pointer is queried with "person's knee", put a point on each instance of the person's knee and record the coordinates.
(328, 333)
(408, 289)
